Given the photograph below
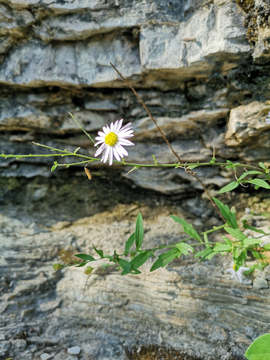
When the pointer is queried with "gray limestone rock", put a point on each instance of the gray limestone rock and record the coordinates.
(74, 350)
(260, 283)
(191, 63)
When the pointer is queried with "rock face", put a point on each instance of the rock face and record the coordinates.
(202, 69)
(193, 308)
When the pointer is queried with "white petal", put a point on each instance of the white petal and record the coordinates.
(106, 129)
(112, 127)
(124, 151)
(239, 276)
(125, 133)
(119, 150)
(110, 156)
(127, 127)
(100, 138)
(99, 142)
(125, 142)
(116, 154)
(99, 150)
(100, 133)
(118, 127)
(244, 268)
(106, 154)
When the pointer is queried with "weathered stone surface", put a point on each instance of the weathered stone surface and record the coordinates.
(208, 34)
(260, 283)
(71, 64)
(119, 311)
(75, 350)
(13, 22)
(191, 63)
(247, 123)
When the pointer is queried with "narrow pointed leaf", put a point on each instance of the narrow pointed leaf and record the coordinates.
(85, 257)
(253, 172)
(157, 264)
(188, 228)
(139, 231)
(251, 241)
(236, 233)
(229, 187)
(99, 252)
(205, 252)
(125, 265)
(140, 259)
(259, 183)
(185, 248)
(222, 247)
(227, 240)
(246, 226)
(171, 258)
(227, 213)
(129, 243)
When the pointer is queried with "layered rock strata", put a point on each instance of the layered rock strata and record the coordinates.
(202, 69)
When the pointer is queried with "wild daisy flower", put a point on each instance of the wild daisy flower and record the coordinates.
(112, 138)
(237, 274)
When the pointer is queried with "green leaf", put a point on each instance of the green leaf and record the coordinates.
(231, 165)
(226, 213)
(139, 232)
(99, 252)
(165, 258)
(209, 256)
(259, 183)
(213, 160)
(85, 257)
(172, 257)
(239, 257)
(251, 241)
(229, 187)
(184, 248)
(129, 243)
(125, 265)
(188, 228)
(222, 247)
(262, 165)
(256, 266)
(236, 233)
(54, 166)
(205, 252)
(157, 264)
(58, 266)
(252, 228)
(266, 247)
(82, 264)
(193, 166)
(259, 349)
(227, 240)
(256, 254)
(140, 259)
(253, 172)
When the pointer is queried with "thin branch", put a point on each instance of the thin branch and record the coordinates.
(86, 133)
(150, 115)
(148, 112)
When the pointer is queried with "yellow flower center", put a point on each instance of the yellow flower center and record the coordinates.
(111, 139)
(233, 266)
